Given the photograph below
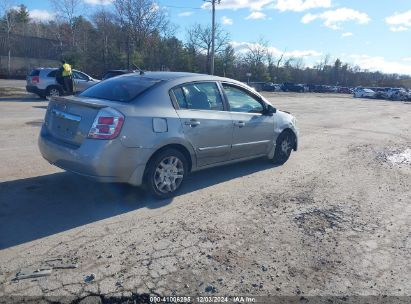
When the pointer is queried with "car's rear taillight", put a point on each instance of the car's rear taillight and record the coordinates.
(107, 124)
(35, 79)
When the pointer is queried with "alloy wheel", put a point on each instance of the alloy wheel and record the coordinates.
(54, 92)
(169, 174)
(286, 146)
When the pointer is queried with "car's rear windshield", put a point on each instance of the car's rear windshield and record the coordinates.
(123, 89)
(34, 73)
(111, 74)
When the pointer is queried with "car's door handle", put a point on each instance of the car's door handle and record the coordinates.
(239, 124)
(192, 123)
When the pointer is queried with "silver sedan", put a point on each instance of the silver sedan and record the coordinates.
(155, 128)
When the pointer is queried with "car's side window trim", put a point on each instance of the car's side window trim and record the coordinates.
(173, 99)
(245, 90)
(177, 105)
(224, 98)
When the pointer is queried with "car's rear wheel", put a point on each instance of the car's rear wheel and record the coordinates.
(285, 143)
(166, 173)
(54, 91)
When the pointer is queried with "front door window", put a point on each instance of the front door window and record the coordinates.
(241, 101)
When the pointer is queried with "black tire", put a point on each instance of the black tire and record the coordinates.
(156, 182)
(283, 151)
(53, 90)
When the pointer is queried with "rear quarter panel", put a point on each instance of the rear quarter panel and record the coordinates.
(138, 130)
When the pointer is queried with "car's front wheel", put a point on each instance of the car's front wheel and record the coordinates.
(166, 173)
(284, 145)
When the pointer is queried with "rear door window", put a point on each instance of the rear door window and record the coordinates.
(35, 73)
(199, 96)
(52, 74)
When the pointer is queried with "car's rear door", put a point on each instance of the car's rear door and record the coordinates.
(253, 132)
(206, 123)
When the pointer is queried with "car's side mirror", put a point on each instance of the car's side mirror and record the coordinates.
(270, 110)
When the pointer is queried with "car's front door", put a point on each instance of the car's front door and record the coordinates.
(206, 123)
(253, 132)
(81, 81)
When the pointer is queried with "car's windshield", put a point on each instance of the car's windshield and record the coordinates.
(123, 89)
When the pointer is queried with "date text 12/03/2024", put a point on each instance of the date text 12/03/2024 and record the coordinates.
(202, 299)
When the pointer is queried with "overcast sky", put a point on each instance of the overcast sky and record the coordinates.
(375, 34)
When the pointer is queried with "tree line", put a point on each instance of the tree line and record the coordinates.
(138, 34)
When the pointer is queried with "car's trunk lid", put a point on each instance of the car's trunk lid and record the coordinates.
(69, 119)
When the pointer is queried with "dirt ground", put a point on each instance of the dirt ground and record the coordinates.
(334, 220)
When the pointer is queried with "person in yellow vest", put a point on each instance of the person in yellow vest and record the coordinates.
(67, 77)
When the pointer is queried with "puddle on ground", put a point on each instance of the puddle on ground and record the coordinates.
(400, 158)
(397, 157)
(319, 220)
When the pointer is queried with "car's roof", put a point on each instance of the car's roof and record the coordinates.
(177, 78)
(169, 75)
(45, 69)
(183, 76)
(120, 71)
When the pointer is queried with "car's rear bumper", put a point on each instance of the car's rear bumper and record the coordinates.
(102, 160)
(35, 90)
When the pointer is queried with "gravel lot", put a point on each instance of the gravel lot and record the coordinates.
(12, 83)
(334, 220)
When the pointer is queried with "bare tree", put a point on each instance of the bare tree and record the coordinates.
(323, 62)
(68, 10)
(274, 64)
(140, 19)
(102, 19)
(228, 59)
(200, 37)
(109, 36)
(257, 52)
(10, 17)
(256, 57)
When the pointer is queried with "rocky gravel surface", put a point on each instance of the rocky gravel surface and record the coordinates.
(334, 220)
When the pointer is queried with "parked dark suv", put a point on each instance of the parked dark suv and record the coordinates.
(292, 87)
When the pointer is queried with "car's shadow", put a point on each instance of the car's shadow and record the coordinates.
(20, 99)
(41, 206)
